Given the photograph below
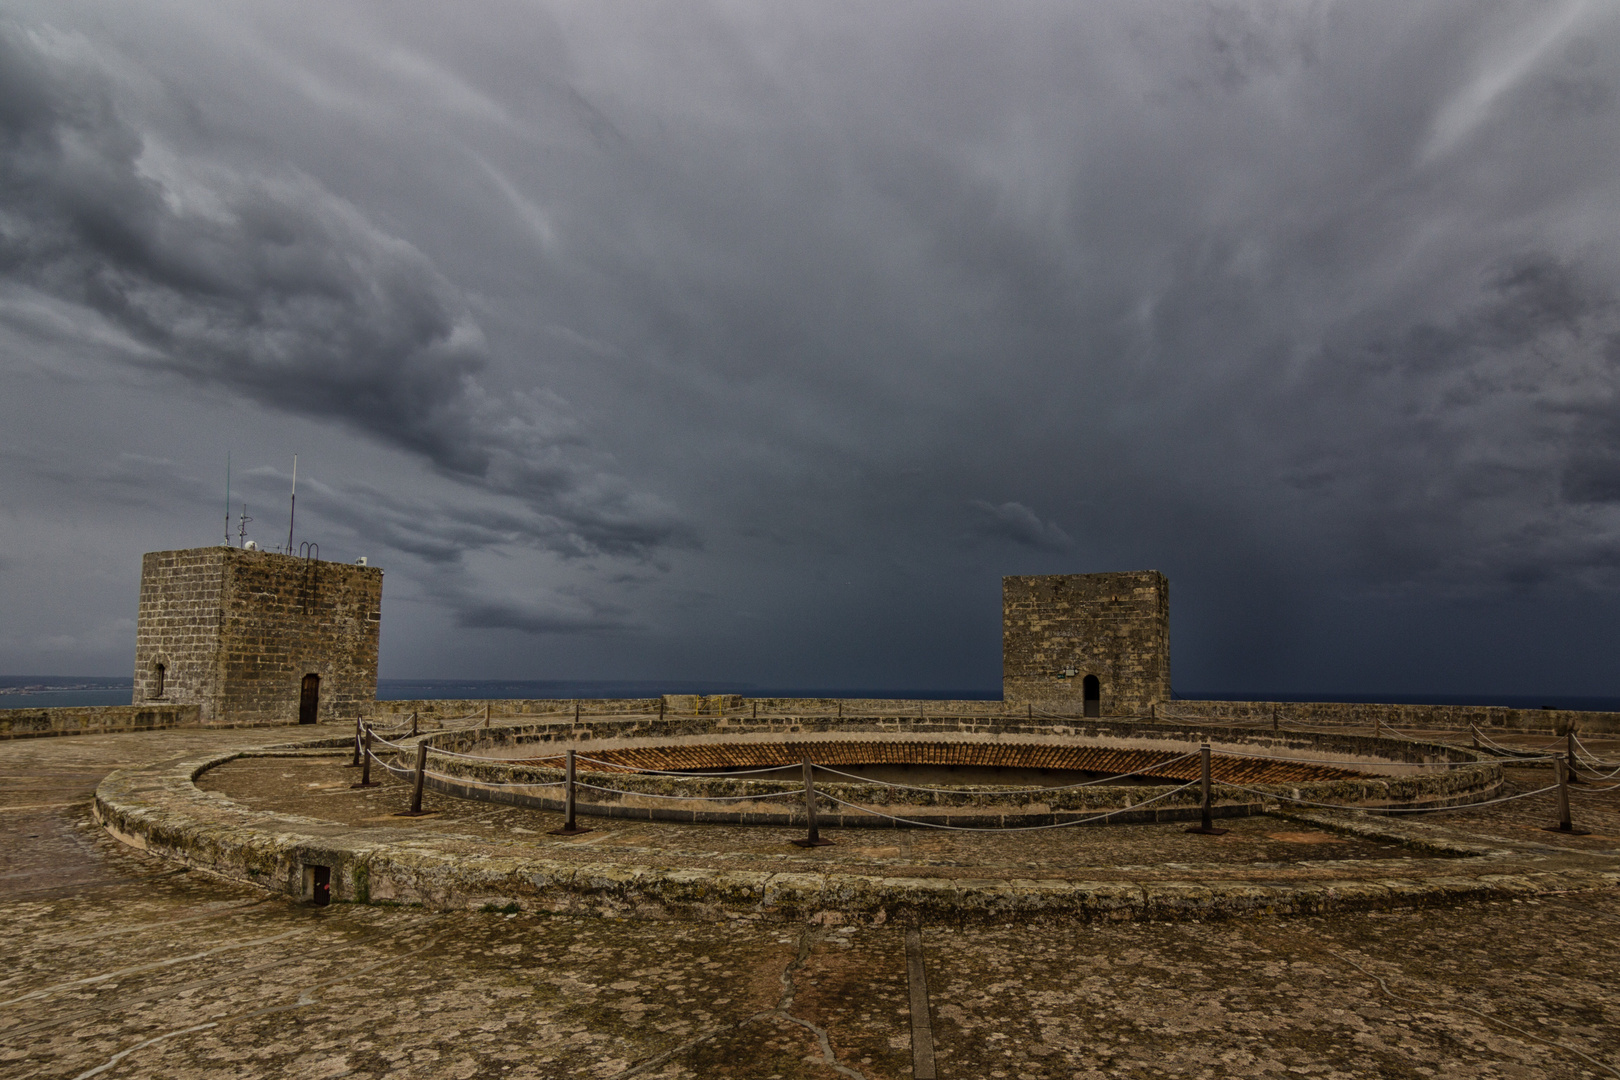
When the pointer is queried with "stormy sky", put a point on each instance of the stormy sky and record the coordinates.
(755, 342)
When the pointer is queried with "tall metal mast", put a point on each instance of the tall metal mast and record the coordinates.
(293, 509)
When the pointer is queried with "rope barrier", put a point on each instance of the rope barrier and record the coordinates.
(1593, 790)
(1391, 809)
(451, 777)
(1494, 745)
(1592, 759)
(1347, 761)
(1007, 791)
(1005, 828)
(689, 798)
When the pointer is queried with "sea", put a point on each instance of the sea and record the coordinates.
(47, 691)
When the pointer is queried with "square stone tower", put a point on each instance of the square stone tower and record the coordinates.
(254, 637)
(1090, 644)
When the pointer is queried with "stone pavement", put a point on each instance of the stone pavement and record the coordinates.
(116, 965)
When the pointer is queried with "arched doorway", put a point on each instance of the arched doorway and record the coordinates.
(1091, 694)
(309, 699)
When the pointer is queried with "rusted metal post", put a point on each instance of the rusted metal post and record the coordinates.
(1206, 827)
(1569, 756)
(1565, 825)
(365, 763)
(1274, 719)
(660, 708)
(570, 825)
(413, 723)
(359, 726)
(416, 790)
(486, 714)
(814, 839)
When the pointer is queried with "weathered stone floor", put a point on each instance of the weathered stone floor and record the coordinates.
(116, 966)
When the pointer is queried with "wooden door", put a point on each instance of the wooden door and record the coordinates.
(309, 699)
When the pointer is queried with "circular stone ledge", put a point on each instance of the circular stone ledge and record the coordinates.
(160, 809)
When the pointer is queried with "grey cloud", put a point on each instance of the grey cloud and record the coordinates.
(1296, 303)
(1018, 523)
(508, 616)
(272, 287)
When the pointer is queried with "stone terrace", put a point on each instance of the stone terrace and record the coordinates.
(126, 965)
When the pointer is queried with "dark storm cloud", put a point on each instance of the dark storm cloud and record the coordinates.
(1018, 523)
(272, 287)
(1306, 305)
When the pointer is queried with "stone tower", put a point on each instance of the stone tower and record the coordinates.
(254, 637)
(1091, 644)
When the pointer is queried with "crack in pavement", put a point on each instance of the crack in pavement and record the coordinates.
(305, 999)
(124, 1001)
(1382, 985)
(808, 936)
(154, 966)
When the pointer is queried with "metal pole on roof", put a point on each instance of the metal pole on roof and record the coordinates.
(1206, 827)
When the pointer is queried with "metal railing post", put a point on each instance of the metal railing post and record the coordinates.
(814, 839)
(365, 763)
(1565, 825)
(570, 825)
(416, 789)
(359, 724)
(1569, 756)
(1206, 826)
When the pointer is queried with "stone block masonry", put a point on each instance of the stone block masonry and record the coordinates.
(93, 719)
(1062, 631)
(254, 637)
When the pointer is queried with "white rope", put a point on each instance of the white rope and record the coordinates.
(492, 760)
(1347, 761)
(1493, 744)
(1590, 758)
(488, 783)
(1002, 791)
(1390, 809)
(693, 798)
(410, 771)
(1004, 828)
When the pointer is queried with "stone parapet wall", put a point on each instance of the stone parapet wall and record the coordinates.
(1358, 714)
(93, 720)
(1344, 714)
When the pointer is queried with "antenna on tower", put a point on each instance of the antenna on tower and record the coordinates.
(293, 509)
(227, 498)
(241, 533)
